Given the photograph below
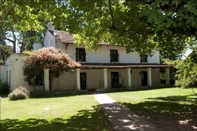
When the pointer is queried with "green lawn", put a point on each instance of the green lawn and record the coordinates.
(71, 113)
(165, 107)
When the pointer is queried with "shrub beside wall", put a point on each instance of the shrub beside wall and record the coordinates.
(19, 93)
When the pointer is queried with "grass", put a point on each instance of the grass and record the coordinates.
(164, 107)
(71, 113)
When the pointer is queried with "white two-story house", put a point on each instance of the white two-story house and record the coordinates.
(107, 67)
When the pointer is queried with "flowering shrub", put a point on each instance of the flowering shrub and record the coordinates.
(47, 58)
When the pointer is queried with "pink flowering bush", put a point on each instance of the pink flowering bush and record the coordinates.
(46, 58)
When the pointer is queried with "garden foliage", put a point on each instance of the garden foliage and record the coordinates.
(186, 75)
(5, 51)
(19, 93)
(46, 58)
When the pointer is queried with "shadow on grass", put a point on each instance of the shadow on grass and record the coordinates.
(176, 111)
(89, 120)
(54, 94)
(189, 99)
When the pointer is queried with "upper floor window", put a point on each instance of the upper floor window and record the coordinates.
(144, 59)
(114, 55)
(80, 54)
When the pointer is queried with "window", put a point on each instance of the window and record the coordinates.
(114, 55)
(80, 54)
(144, 59)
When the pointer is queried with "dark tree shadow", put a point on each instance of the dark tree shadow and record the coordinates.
(174, 113)
(186, 99)
(89, 120)
(123, 119)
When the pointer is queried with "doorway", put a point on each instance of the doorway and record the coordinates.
(144, 78)
(114, 79)
(83, 81)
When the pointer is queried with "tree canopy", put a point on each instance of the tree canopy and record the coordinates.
(173, 22)
(5, 51)
(186, 69)
(22, 22)
(141, 25)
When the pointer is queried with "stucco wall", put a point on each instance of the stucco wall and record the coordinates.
(122, 76)
(136, 77)
(37, 46)
(154, 58)
(94, 77)
(156, 77)
(67, 81)
(49, 40)
(3, 73)
(102, 54)
(15, 69)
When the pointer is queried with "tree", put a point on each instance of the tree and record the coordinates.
(177, 16)
(28, 38)
(114, 22)
(5, 7)
(173, 22)
(5, 51)
(186, 70)
(19, 20)
(139, 25)
(46, 58)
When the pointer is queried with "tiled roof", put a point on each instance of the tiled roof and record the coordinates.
(64, 37)
(67, 38)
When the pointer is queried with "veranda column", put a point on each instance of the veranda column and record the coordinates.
(167, 70)
(105, 78)
(129, 78)
(46, 79)
(78, 79)
(149, 77)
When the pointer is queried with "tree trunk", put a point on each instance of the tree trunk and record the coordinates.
(14, 42)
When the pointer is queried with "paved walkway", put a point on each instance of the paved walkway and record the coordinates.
(121, 118)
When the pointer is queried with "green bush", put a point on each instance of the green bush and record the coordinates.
(19, 93)
(4, 88)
